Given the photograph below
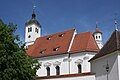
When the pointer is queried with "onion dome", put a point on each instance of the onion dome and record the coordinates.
(33, 21)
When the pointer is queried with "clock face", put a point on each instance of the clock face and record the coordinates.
(29, 36)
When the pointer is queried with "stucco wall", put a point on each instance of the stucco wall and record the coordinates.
(51, 59)
(119, 64)
(84, 57)
(66, 67)
(99, 67)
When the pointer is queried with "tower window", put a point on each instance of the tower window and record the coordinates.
(96, 37)
(36, 30)
(79, 68)
(57, 70)
(99, 37)
(29, 36)
(30, 29)
(48, 71)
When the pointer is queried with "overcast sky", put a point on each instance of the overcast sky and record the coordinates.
(60, 15)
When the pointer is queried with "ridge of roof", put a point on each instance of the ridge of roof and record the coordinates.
(113, 44)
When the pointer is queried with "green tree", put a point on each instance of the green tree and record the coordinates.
(14, 62)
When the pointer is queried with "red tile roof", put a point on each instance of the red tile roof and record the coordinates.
(113, 44)
(59, 43)
(53, 44)
(84, 42)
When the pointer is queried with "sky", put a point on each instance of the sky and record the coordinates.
(60, 15)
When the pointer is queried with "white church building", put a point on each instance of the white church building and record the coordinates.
(73, 56)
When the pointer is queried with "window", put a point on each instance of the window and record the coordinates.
(61, 35)
(79, 68)
(29, 36)
(57, 70)
(56, 49)
(43, 51)
(48, 71)
(48, 38)
(30, 29)
(36, 30)
(96, 37)
(99, 37)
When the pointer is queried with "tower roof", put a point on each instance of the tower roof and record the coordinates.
(33, 20)
(97, 30)
(113, 44)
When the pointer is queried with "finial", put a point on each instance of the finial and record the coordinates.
(116, 25)
(96, 24)
(33, 14)
(97, 30)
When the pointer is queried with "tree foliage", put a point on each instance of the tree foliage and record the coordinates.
(14, 63)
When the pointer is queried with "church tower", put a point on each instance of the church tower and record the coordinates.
(32, 30)
(98, 37)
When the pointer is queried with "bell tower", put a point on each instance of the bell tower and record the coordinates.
(98, 37)
(32, 29)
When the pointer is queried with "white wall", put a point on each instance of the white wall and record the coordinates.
(98, 39)
(89, 77)
(99, 67)
(85, 57)
(119, 64)
(33, 34)
(51, 59)
(65, 67)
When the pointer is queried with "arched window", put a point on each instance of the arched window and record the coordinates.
(96, 37)
(57, 70)
(30, 29)
(79, 68)
(48, 71)
(36, 30)
(99, 37)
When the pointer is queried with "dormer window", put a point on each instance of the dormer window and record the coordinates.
(56, 49)
(48, 38)
(43, 51)
(61, 35)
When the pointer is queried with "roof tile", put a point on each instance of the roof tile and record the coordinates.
(84, 42)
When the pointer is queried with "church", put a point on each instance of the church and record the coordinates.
(70, 55)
